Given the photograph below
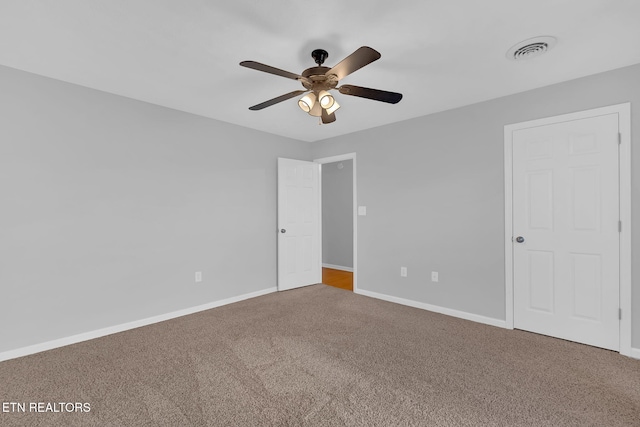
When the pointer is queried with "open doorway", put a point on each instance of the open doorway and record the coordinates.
(338, 221)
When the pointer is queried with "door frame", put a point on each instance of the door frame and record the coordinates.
(624, 171)
(340, 158)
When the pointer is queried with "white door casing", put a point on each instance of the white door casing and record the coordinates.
(299, 237)
(566, 190)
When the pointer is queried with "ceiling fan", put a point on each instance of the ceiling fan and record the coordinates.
(318, 81)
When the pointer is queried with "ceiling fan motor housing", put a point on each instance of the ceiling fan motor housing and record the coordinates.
(317, 79)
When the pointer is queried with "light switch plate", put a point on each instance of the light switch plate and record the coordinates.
(362, 210)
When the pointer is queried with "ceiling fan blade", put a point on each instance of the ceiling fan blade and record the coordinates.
(358, 59)
(375, 94)
(271, 70)
(280, 98)
(328, 118)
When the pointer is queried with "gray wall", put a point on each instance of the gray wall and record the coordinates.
(110, 205)
(337, 213)
(433, 187)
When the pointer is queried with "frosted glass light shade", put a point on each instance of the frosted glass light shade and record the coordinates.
(326, 100)
(307, 102)
(333, 108)
(316, 111)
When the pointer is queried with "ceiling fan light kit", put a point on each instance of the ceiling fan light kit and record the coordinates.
(318, 81)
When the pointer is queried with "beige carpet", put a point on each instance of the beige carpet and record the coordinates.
(320, 356)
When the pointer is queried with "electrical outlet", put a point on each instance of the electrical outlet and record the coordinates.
(434, 276)
(403, 271)
(198, 276)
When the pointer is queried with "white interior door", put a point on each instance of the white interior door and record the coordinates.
(566, 215)
(299, 242)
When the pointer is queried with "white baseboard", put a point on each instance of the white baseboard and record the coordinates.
(49, 345)
(437, 309)
(338, 267)
(635, 353)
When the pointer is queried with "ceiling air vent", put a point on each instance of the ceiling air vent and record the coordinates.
(531, 47)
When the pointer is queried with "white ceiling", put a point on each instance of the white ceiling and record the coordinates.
(440, 54)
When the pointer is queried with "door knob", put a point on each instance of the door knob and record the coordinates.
(282, 230)
(519, 239)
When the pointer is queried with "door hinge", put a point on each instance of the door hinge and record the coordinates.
(619, 138)
(619, 314)
(619, 226)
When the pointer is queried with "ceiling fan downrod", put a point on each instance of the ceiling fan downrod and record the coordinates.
(319, 55)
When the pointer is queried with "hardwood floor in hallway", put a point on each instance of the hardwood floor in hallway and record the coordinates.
(337, 278)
